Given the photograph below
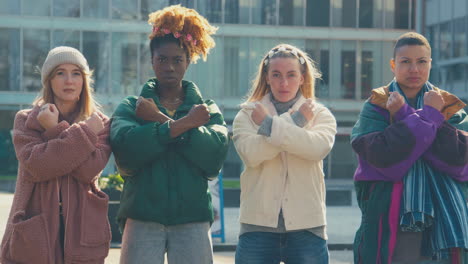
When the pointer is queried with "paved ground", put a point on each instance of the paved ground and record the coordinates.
(342, 223)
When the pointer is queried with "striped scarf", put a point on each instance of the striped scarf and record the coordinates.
(433, 203)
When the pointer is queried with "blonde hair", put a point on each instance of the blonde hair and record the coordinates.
(259, 85)
(191, 29)
(87, 104)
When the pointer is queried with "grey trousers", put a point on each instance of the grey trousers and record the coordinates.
(147, 242)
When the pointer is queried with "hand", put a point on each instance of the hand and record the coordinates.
(199, 115)
(146, 109)
(48, 116)
(95, 123)
(434, 99)
(307, 109)
(395, 102)
(259, 113)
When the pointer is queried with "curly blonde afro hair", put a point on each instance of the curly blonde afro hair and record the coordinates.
(193, 30)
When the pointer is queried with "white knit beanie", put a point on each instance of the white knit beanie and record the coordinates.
(62, 55)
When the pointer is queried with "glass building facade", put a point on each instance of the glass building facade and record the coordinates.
(351, 40)
(445, 24)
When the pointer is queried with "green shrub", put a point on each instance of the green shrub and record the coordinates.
(111, 181)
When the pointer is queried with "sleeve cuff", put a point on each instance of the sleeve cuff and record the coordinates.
(163, 132)
(431, 114)
(299, 119)
(404, 111)
(54, 132)
(265, 127)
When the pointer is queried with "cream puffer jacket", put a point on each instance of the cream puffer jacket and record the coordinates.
(283, 171)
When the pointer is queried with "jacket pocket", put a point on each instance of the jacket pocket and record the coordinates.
(95, 228)
(29, 241)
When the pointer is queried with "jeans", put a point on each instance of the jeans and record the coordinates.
(300, 247)
(147, 242)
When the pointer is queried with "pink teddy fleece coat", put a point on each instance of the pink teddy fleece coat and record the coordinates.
(66, 160)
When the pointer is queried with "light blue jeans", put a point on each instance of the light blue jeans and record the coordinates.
(147, 242)
(300, 247)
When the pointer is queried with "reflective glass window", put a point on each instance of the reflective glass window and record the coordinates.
(36, 7)
(124, 64)
(344, 13)
(264, 12)
(150, 6)
(445, 40)
(318, 50)
(36, 45)
(291, 12)
(96, 8)
(66, 8)
(66, 38)
(96, 49)
(8, 161)
(10, 64)
(211, 10)
(125, 9)
(459, 35)
(237, 11)
(318, 13)
(370, 13)
(10, 7)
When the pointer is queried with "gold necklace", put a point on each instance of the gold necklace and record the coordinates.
(175, 101)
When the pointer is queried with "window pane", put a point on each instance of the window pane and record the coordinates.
(372, 61)
(149, 6)
(96, 8)
(343, 69)
(232, 74)
(66, 8)
(445, 41)
(264, 12)
(236, 11)
(318, 13)
(401, 14)
(344, 13)
(210, 9)
(36, 7)
(146, 69)
(208, 76)
(318, 50)
(291, 12)
(66, 38)
(10, 7)
(124, 64)
(96, 49)
(8, 161)
(35, 49)
(124, 9)
(186, 3)
(10, 64)
(370, 13)
(459, 46)
(343, 159)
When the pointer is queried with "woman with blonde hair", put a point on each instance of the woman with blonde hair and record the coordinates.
(58, 214)
(282, 135)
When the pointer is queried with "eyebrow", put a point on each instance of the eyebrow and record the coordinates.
(424, 57)
(293, 71)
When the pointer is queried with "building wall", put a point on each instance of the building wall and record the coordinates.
(351, 40)
(445, 23)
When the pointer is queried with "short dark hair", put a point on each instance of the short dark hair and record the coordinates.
(157, 42)
(411, 39)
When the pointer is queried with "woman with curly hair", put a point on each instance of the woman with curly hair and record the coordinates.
(168, 143)
(59, 215)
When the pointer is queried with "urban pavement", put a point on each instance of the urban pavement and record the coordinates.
(342, 224)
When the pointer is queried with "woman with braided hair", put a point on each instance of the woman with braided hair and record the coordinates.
(168, 143)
